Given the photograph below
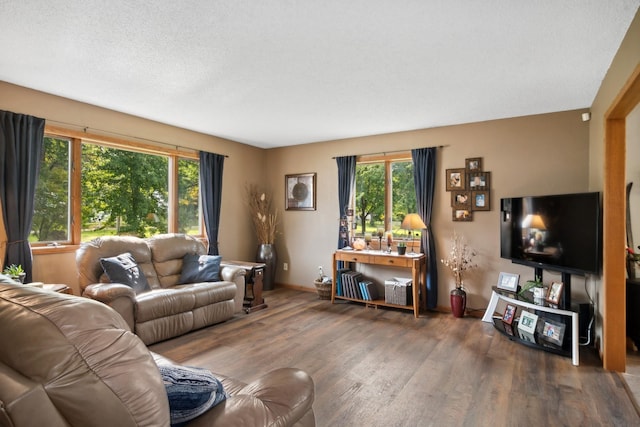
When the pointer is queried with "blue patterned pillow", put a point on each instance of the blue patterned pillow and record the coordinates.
(124, 269)
(200, 268)
(191, 391)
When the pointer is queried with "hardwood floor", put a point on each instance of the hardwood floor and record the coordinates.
(386, 368)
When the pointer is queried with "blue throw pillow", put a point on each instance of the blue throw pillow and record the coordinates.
(124, 269)
(191, 391)
(200, 268)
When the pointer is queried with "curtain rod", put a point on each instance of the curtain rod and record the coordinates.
(393, 151)
(85, 129)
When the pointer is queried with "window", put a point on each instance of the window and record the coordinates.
(123, 192)
(189, 218)
(51, 205)
(113, 188)
(385, 193)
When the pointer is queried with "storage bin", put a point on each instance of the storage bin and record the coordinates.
(396, 292)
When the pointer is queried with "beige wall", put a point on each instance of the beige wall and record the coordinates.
(626, 60)
(528, 155)
(244, 164)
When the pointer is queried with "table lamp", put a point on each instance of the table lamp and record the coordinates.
(412, 222)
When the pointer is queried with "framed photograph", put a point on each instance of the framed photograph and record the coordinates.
(552, 331)
(554, 294)
(473, 164)
(509, 329)
(456, 179)
(479, 180)
(508, 282)
(480, 200)
(498, 323)
(462, 215)
(509, 314)
(461, 199)
(526, 336)
(528, 322)
(300, 190)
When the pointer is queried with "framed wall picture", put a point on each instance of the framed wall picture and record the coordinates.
(461, 199)
(554, 294)
(508, 282)
(480, 200)
(456, 179)
(300, 191)
(462, 214)
(479, 180)
(473, 164)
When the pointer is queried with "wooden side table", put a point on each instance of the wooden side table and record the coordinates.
(62, 289)
(253, 300)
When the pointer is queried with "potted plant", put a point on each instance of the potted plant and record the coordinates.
(15, 272)
(323, 285)
(535, 286)
(460, 260)
(402, 248)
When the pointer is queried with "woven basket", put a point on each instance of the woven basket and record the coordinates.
(324, 289)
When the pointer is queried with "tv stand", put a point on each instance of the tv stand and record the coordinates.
(570, 346)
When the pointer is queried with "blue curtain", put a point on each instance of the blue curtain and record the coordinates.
(21, 140)
(424, 165)
(211, 167)
(346, 181)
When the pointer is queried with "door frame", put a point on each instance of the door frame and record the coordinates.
(614, 223)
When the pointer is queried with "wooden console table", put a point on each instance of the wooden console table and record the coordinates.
(417, 263)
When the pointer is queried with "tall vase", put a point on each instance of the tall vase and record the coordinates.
(458, 299)
(266, 254)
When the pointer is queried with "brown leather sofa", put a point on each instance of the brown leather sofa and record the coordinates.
(71, 361)
(168, 309)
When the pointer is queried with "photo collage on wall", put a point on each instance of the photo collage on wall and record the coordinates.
(469, 188)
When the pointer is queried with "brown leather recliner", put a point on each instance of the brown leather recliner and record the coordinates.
(70, 361)
(169, 309)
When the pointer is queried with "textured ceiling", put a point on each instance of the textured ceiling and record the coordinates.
(275, 73)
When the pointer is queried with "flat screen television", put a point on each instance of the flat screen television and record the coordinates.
(555, 232)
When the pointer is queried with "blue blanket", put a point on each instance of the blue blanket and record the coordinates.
(191, 391)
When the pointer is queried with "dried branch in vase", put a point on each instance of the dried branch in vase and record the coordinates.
(264, 220)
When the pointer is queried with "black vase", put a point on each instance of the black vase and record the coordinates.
(266, 254)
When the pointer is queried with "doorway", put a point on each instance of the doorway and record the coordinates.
(614, 208)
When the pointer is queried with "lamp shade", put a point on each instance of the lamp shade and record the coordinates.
(533, 221)
(413, 222)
